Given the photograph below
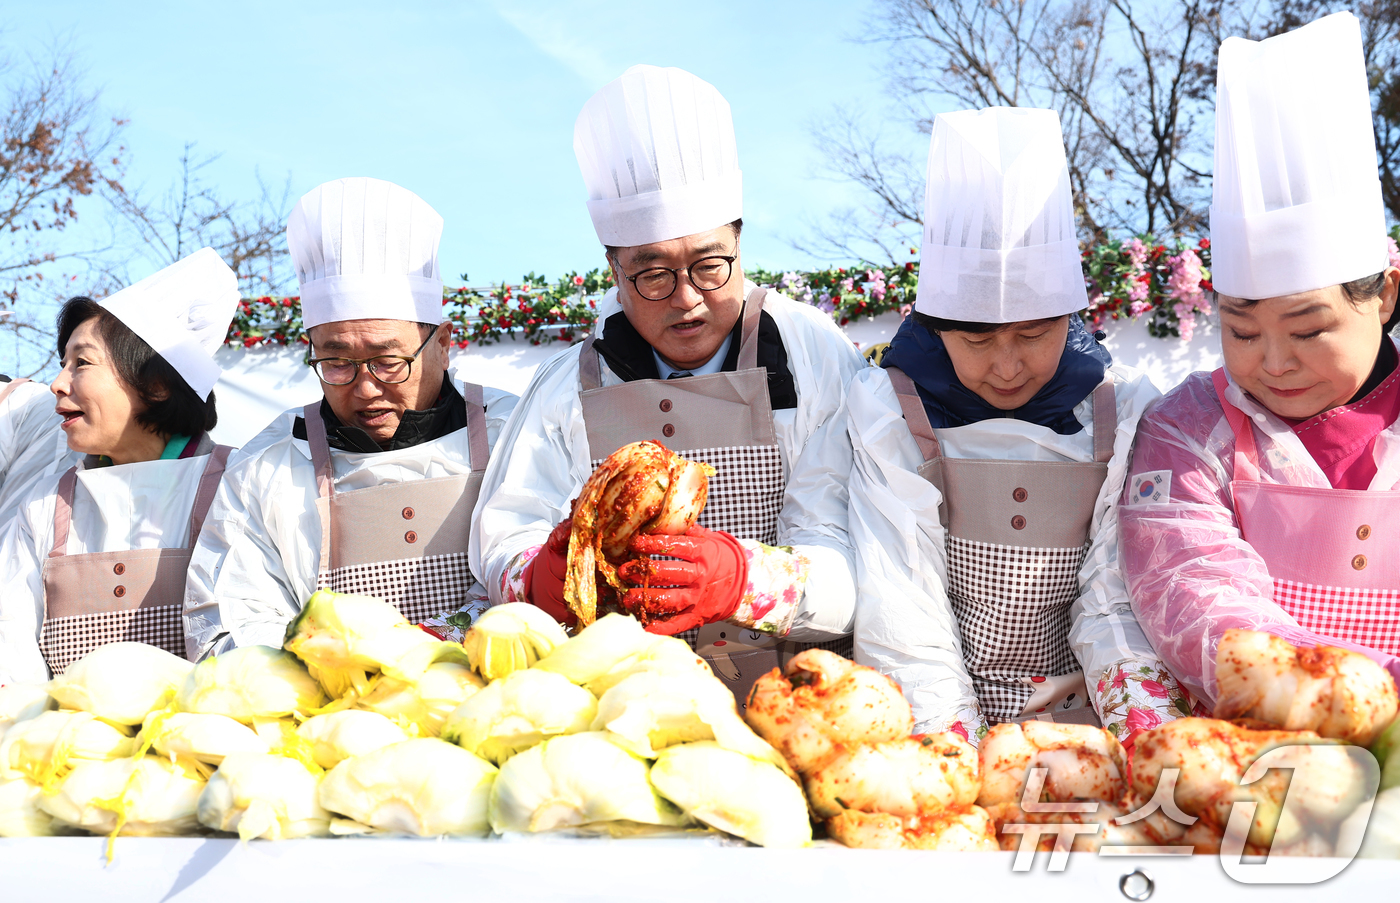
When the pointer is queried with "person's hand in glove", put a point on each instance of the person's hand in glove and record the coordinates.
(705, 586)
(544, 575)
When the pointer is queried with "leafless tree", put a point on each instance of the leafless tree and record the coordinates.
(192, 214)
(56, 149)
(1132, 80)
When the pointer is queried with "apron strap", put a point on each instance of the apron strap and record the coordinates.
(10, 387)
(478, 447)
(1105, 420)
(914, 414)
(1246, 452)
(748, 335)
(590, 374)
(320, 449)
(208, 485)
(63, 512)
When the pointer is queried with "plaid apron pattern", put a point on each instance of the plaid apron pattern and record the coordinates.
(1012, 605)
(1368, 617)
(420, 588)
(65, 640)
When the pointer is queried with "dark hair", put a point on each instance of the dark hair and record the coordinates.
(938, 324)
(737, 226)
(1357, 291)
(171, 407)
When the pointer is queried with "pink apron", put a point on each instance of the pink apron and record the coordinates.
(10, 387)
(402, 542)
(1017, 532)
(106, 597)
(725, 420)
(1332, 553)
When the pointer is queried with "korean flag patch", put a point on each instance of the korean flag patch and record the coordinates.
(1151, 488)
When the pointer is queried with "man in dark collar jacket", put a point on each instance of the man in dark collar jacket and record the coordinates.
(370, 490)
(689, 353)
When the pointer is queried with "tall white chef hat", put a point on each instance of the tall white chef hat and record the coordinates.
(183, 312)
(657, 152)
(365, 249)
(1297, 203)
(999, 239)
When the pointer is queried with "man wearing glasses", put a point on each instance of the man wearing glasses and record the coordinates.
(689, 354)
(371, 489)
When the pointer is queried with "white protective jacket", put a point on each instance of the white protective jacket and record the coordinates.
(115, 509)
(32, 445)
(259, 553)
(905, 626)
(528, 489)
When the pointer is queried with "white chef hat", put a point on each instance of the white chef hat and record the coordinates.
(999, 239)
(183, 312)
(366, 249)
(1297, 203)
(657, 152)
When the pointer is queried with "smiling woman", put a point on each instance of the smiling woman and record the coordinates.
(99, 554)
(117, 397)
(1264, 496)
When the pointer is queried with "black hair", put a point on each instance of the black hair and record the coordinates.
(1357, 291)
(737, 226)
(171, 407)
(938, 324)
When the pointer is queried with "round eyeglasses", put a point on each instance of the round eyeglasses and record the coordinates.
(390, 369)
(659, 283)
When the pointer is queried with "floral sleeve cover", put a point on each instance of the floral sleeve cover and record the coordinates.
(777, 579)
(1137, 695)
(967, 723)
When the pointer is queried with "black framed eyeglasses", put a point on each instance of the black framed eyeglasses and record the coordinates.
(390, 369)
(659, 283)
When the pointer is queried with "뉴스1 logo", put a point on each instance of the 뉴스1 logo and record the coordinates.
(1297, 815)
(1151, 488)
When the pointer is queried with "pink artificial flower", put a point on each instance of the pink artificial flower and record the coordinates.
(1394, 251)
(1155, 689)
(1141, 720)
(1138, 308)
(578, 280)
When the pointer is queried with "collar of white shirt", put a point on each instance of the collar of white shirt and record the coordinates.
(714, 365)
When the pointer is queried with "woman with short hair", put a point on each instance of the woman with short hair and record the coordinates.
(100, 555)
(1264, 495)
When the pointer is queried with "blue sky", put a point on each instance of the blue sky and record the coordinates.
(471, 105)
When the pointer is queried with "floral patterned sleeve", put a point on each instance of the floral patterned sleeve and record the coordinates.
(777, 579)
(1136, 695)
(513, 580)
(967, 723)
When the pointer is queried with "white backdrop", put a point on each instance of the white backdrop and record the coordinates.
(260, 383)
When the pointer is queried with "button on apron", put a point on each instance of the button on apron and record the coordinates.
(408, 514)
(1018, 523)
(118, 569)
(665, 406)
(1018, 494)
(668, 431)
(1363, 531)
(410, 536)
(1359, 562)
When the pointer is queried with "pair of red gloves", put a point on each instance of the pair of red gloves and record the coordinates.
(703, 587)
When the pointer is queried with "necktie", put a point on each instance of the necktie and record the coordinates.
(680, 374)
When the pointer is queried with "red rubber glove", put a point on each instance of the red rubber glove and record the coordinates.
(544, 575)
(702, 588)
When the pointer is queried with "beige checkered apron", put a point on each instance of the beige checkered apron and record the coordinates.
(403, 542)
(1016, 534)
(107, 597)
(725, 420)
